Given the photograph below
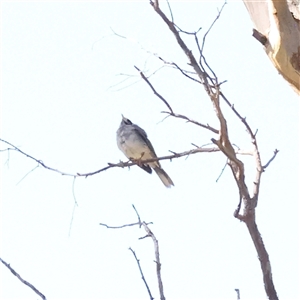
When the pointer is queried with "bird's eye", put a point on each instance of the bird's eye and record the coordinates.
(128, 122)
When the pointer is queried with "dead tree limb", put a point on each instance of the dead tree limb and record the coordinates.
(23, 280)
(110, 165)
(142, 274)
(156, 252)
(209, 81)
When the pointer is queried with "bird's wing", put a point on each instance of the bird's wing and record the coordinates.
(143, 135)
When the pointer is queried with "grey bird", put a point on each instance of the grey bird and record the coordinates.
(132, 140)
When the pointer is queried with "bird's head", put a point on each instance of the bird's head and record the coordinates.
(126, 121)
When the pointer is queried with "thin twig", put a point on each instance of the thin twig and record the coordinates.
(122, 226)
(23, 280)
(171, 112)
(191, 121)
(156, 248)
(170, 10)
(271, 159)
(74, 206)
(36, 160)
(187, 32)
(142, 274)
(212, 24)
(184, 72)
(237, 294)
(153, 89)
(202, 58)
(157, 260)
(222, 171)
(140, 222)
(27, 174)
(243, 120)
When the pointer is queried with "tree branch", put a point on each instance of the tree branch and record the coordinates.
(156, 250)
(141, 271)
(171, 112)
(271, 159)
(23, 280)
(157, 260)
(191, 121)
(212, 88)
(111, 165)
(152, 88)
(122, 226)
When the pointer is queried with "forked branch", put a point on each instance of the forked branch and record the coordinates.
(212, 88)
(156, 252)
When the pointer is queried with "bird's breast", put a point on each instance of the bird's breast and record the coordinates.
(132, 145)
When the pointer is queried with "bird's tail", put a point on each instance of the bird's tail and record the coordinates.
(164, 177)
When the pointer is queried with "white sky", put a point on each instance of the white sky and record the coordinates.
(62, 100)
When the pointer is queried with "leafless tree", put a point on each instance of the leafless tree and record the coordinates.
(202, 73)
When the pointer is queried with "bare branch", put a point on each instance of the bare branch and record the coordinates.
(112, 165)
(72, 217)
(187, 32)
(249, 130)
(237, 294)
(191, 121)
(212, 88)
(184, 72)
(271, 159)
(171, 13)
(222, 171)
(203, 59)
(115, 87)
(74, 206)
(140, 222)
(212, 25)
(157, 259)
(27, 174)
(256, 154)
(259, 170)
(152, 88)
(167, 157)
(156, 249)
(263, 258)
(202, 75)
(22, 280)
(36, 160)
(171, 113)
(122, 226)
(143, 277)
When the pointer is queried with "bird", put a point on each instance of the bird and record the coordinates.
(132, 140)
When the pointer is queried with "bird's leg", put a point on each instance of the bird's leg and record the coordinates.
(138, 160)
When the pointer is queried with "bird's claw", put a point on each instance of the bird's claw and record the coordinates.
(137, 160)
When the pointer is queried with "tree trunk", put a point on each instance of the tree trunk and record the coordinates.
(277, 27)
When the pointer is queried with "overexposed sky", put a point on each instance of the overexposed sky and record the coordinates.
(66, 80)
